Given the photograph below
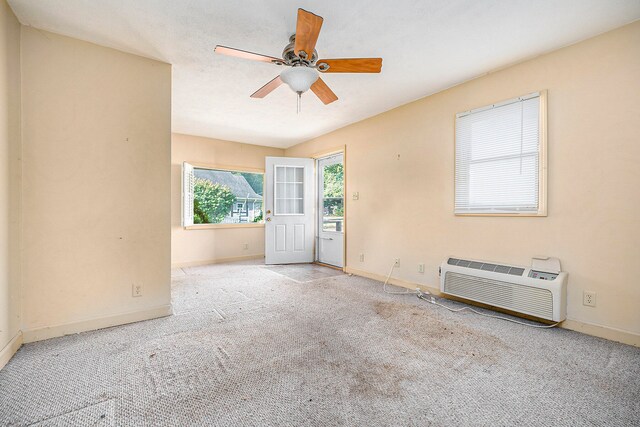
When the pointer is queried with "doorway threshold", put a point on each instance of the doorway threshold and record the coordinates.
(335, 267)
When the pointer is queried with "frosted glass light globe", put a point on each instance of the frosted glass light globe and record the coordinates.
(300, 78)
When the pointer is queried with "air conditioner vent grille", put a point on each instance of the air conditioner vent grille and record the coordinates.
(525, 299)
(504, 269)
(488, 267)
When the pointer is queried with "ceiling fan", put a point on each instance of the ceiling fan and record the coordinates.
(303, 64)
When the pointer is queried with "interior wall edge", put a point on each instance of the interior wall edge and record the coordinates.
(10, 183)
(95, 120)
(46, 332)
(10, 349)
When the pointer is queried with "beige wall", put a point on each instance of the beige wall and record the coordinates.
(406, 205)
(96, 184)
(192, 247)
(9, 179)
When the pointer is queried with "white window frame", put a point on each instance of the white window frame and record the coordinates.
(187, 220)
(275, 190)
(542, 160)
(187, 194)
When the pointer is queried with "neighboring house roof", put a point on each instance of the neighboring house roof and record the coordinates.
(236, 183)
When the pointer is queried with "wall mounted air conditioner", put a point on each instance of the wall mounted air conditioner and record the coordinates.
(539, 291)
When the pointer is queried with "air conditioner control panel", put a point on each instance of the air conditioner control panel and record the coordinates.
(543, 275)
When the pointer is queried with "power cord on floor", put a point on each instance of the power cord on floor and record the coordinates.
(426, 296)
(384, 286)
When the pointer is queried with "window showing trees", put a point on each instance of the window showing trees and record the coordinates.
(214, 196)
(333, 197)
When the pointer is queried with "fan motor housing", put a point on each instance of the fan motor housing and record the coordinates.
(290, 58)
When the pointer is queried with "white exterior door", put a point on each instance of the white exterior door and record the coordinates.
(289, 214)
(331, 210)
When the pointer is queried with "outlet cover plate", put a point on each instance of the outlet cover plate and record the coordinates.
(589, 298)
(136, 289)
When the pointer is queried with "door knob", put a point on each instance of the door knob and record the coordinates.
(268, 219)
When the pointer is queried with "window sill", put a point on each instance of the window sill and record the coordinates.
(529, 214)
(214, 226)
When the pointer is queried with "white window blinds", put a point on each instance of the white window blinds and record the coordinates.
(497, 158)
(187, 194)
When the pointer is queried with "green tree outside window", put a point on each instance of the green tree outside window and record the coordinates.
(212, 202)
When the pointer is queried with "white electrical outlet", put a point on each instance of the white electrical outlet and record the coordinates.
(136, 289)
(397, 263)
(361, 257)
(356, 195)
(245, 246)
(420, 268)
(589, 298)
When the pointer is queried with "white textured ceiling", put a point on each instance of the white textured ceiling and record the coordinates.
(427, 46)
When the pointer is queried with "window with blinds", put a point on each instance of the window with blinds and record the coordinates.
(498, 158)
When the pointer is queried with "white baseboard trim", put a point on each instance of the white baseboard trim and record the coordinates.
(606, 332)
(215, 261)
(10, 349)
(38, 334)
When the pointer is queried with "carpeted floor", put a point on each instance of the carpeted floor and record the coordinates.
(251, 345)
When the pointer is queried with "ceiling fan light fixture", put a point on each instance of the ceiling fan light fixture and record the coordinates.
(300, 78)
(302, 66)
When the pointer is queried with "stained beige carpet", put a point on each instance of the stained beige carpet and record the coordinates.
(251, 345)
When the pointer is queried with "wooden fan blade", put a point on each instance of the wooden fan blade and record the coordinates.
(307, 31)
(268, 88)
(323, 92)
(351, 65)
(229, 51)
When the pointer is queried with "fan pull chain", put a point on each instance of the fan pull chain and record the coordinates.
(299, 106)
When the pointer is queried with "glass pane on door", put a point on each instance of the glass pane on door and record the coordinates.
(333, 214)
(333, 198)
(289, 190)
